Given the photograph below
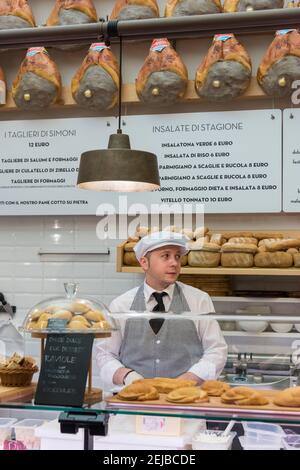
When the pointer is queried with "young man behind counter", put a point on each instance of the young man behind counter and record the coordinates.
(142, 348)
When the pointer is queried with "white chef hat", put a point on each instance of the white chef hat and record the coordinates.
(159, 239)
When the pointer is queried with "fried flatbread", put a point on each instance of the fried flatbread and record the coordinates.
(138, 392)
(187, 395)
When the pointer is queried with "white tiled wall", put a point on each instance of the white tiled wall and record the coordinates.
(26, 278)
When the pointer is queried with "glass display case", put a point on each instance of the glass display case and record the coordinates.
(69, 314)
(248, 364)
(64, 315)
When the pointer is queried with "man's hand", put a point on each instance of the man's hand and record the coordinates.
(120, 375)
(132, 377)
(190, 376)
(124, 376)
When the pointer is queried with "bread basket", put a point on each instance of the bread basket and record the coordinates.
(16, 377)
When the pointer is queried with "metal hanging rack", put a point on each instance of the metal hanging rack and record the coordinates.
(254, 22)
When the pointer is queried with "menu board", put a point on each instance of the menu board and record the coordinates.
(226, 162)
(64, 369)
(291, 160)
(39, 165)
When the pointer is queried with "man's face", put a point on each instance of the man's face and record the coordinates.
(162, 264)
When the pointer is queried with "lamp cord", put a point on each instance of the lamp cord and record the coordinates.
(119, 131)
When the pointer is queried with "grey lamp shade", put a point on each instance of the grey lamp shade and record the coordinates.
(118, 168)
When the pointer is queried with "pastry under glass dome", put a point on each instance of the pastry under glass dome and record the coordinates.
(77, 315)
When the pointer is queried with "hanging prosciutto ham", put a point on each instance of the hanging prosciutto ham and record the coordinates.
(134, 10)
(38, 83)
(192, 7)
(2, 87)
(163, 78)
(15, 14)
(231, 6)
(72, 12)
(225, 72)
(95, 85)
(280, 66)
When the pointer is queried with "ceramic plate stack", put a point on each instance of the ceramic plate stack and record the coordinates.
(216, 286)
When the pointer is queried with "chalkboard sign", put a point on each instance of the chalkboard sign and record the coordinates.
(64, 369)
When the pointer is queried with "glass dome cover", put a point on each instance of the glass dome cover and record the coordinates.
(69, 314)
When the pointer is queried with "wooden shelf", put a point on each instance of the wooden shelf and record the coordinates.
(226, 271)
(130, 97)
(220, 271)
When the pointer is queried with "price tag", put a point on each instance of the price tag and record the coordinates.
(158, 425)
(57, 324)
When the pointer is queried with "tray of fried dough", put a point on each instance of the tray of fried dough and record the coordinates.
(162, 392)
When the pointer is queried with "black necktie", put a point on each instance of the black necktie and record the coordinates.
(160, 307)
(156, 323)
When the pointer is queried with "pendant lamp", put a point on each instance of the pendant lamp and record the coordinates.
(118, 168)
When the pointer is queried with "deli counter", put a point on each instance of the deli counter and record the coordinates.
(263, 363)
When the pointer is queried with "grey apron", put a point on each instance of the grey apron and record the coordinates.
(170, 352)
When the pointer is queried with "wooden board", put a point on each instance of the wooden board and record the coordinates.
(17, 394)
(96, 335)
(25, 394)
(92, 396)
(214, 402)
